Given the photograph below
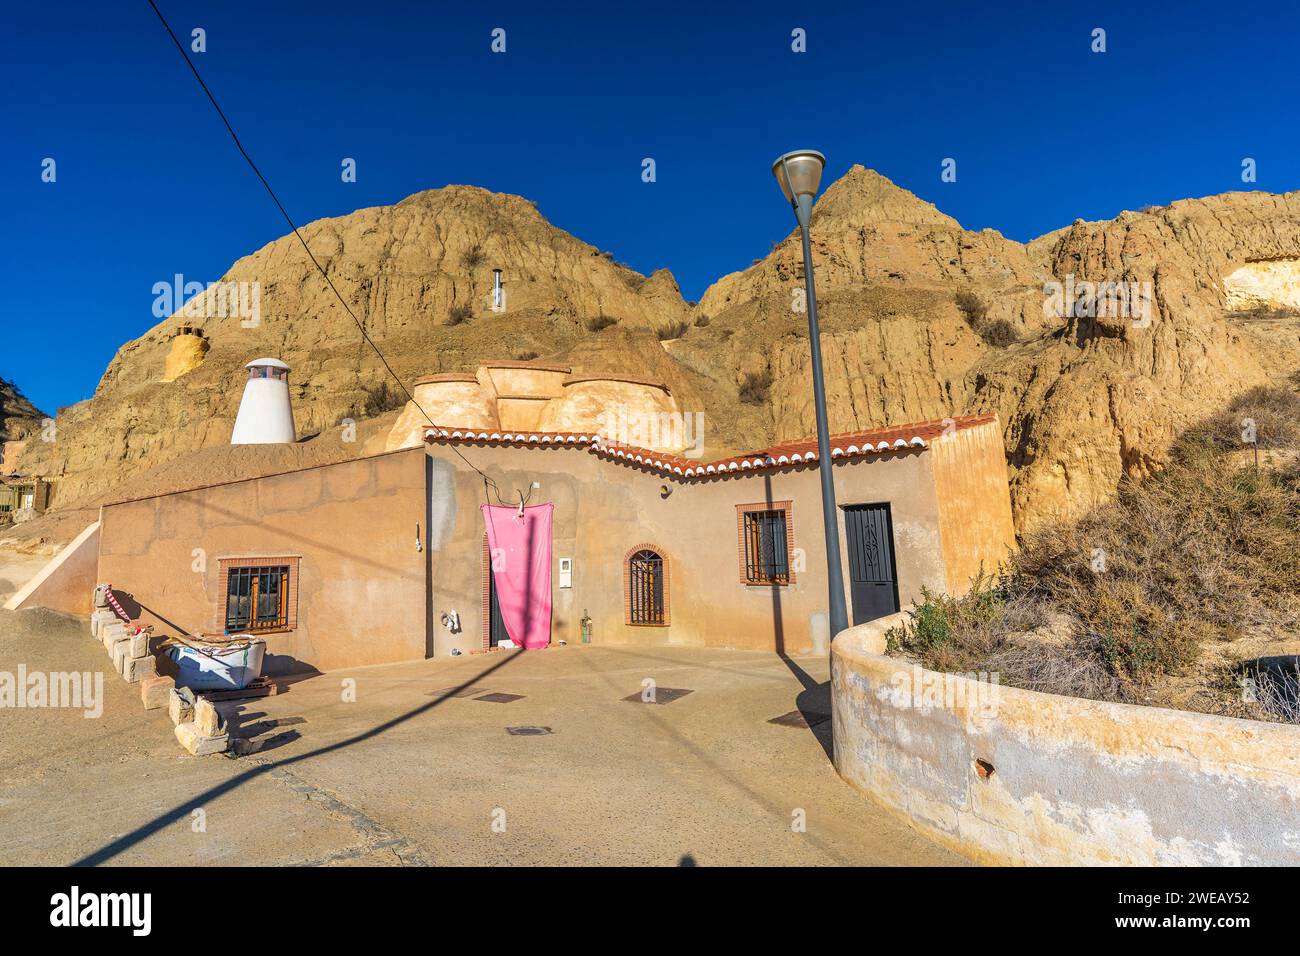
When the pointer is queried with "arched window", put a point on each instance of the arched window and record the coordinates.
(645, 575)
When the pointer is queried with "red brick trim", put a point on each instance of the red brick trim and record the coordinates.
(627, 584)
(787, 507)
(224, 566)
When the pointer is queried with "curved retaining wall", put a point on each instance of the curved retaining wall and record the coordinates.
(1009, 776)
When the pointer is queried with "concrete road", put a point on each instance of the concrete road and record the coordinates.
(385, 766)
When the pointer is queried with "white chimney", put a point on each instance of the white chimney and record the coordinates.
(265, 413)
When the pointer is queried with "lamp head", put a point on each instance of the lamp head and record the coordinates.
(799, 172)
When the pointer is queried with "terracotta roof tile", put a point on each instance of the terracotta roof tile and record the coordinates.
(786, 454)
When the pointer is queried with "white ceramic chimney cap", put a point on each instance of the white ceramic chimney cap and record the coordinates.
(267, 363)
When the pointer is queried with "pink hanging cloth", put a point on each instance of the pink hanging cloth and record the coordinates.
(520, 549)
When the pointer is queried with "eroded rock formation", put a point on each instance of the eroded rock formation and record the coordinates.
(921, 319)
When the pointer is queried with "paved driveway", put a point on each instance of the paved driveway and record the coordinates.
(404, 764)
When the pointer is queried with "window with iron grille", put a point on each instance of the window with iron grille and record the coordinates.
(645, 589)
(257, 599)
(767, 558)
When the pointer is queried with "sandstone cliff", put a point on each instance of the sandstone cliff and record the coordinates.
(921, 319)
(19, 418)
(418, 274)
(1084, 398)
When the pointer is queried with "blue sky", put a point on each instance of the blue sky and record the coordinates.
(149, 184)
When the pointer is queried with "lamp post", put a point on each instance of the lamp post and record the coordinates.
(800, 173)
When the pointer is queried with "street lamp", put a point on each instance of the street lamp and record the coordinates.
(800, 173)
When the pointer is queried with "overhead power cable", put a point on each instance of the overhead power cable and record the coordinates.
(292, 225)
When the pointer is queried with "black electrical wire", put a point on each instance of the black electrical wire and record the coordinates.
(292, 225)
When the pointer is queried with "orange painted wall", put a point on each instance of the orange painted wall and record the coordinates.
(361, 588)
(970, 479)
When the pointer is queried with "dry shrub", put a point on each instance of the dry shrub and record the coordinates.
(996, 332)
(673, 330)
(1274, 411)
(755, 387)
(999, 333)
(473, 257)
(972, 306)
(602, 321)
(1207, 550)
(460, 314)
(1202, 551)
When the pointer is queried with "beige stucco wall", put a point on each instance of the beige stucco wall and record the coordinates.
(522, 391)
(603, 509)
(1072, 782)
(634, 413)
(453, 401)
(362, 592)
(970, 478)
(67, 581)
(361, 588)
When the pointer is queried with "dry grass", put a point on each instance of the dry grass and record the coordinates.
(598, 322)
(755, 387)
(1202, 555)
(996, 332)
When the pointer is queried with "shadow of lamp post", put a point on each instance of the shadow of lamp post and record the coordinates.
(800, 173)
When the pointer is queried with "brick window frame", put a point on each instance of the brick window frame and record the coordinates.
(784, 506)
(226, 565)
(627, 585)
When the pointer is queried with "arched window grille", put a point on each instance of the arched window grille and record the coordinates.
(646, 588)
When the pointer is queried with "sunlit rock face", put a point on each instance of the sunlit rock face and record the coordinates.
(185, 355)
(1274, 282)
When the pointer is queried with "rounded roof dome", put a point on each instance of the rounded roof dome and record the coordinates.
(267, 363)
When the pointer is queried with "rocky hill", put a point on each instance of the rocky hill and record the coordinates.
(921, 319)
(19, 418)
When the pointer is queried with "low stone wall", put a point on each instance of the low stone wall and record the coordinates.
(1009, 776)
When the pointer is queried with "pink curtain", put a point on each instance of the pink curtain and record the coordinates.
(520, 550)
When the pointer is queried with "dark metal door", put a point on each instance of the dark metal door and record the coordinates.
(873, 581)
(497, 626)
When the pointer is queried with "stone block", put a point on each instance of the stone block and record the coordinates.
(99, 619)
(180, 705)
(208, 719)
(136, 669)
(154, 691)
(140, 644)
(199, 744)
(120, 651)
(111, 631)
